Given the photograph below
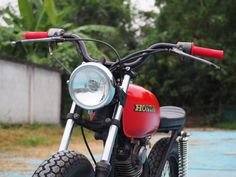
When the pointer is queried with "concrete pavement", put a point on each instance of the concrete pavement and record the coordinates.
(211, 154)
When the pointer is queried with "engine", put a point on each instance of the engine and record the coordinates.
(129, 159)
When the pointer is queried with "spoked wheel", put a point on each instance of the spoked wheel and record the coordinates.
(154, 159)
(65, 164)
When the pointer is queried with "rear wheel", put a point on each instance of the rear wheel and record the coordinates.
(65, 164)
(157, 154)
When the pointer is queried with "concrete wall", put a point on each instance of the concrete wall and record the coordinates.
(29, 94)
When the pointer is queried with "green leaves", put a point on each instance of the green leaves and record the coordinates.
(35, 15)
(206, 23)
(109, 30)
(51, 11)
(26, 13)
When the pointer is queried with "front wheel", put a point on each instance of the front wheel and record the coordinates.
(65, 164)
(157, 154)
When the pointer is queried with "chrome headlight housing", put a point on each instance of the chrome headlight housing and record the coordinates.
(91, 86)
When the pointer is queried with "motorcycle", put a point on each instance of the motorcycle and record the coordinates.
(123, 115)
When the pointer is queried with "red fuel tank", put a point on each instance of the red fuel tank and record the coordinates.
(141, 114)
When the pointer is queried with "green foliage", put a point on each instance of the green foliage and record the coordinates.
(33, 17)
(105, 20)
(39, 16)
(26, 13)
(108, 30)
(208, 24)
(226, 125)
(213, 119)
(116, 13)
(51, 12)
(33, 141)
(102, 32)
(102, 12)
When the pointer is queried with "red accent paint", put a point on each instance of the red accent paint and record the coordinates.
(91, 116)
(206, 52)
(36, 35)
(140, 124)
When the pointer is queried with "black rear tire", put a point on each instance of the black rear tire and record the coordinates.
(65, 164)
(157, 154)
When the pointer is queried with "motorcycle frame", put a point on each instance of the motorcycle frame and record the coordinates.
(112, 133)
(113, 129)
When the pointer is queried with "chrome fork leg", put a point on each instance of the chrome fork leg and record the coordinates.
(103, 167)
(111, 138)
(106, 156)
(68, 130)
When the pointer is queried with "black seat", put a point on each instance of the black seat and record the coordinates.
(171, 116)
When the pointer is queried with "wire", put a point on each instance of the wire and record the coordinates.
(87, 145)
(99, 41)
(138, 52)
(144, 54)
(57, 60)
(137, 55)
(105, 43)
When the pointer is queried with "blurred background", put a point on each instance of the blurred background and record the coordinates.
(33, 86)
(130, 26)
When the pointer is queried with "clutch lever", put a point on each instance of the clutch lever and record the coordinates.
(181, 53)
(31, 41)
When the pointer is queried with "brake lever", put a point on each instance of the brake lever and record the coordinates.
(181, 53)
(31, 41)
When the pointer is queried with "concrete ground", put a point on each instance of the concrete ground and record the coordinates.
(211, 153)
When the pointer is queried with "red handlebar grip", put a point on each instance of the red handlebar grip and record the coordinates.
(36, 35)
(206, 52)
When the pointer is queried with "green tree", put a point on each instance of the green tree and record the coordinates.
(116, 13)
(41, 15)
(34, 16)
(105, 20)
(206, 23)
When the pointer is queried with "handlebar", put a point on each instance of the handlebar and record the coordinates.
(36, 35)
(206, 52)
(185, 49)
(190, 48)
(52, 32)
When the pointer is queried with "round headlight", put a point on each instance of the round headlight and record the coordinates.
(91, 86)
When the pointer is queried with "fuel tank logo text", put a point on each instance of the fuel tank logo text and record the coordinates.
(144, 108)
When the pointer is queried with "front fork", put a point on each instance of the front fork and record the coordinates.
(68, 130)
(103, 167)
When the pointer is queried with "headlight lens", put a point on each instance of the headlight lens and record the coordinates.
(91, 86)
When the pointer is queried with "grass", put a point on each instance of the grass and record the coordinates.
(227, 125)
(14, 137)
(33, 141)
(22, 136)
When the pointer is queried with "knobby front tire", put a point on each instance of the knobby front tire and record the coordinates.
(65, 164)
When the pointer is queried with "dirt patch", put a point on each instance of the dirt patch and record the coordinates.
(26, 159)
(22, 149)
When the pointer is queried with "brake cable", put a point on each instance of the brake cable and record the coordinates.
(87, 145)
(137, 55)
(98, 41)
(102, 42)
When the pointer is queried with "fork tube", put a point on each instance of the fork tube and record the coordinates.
(113, 128)
(68, 130)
